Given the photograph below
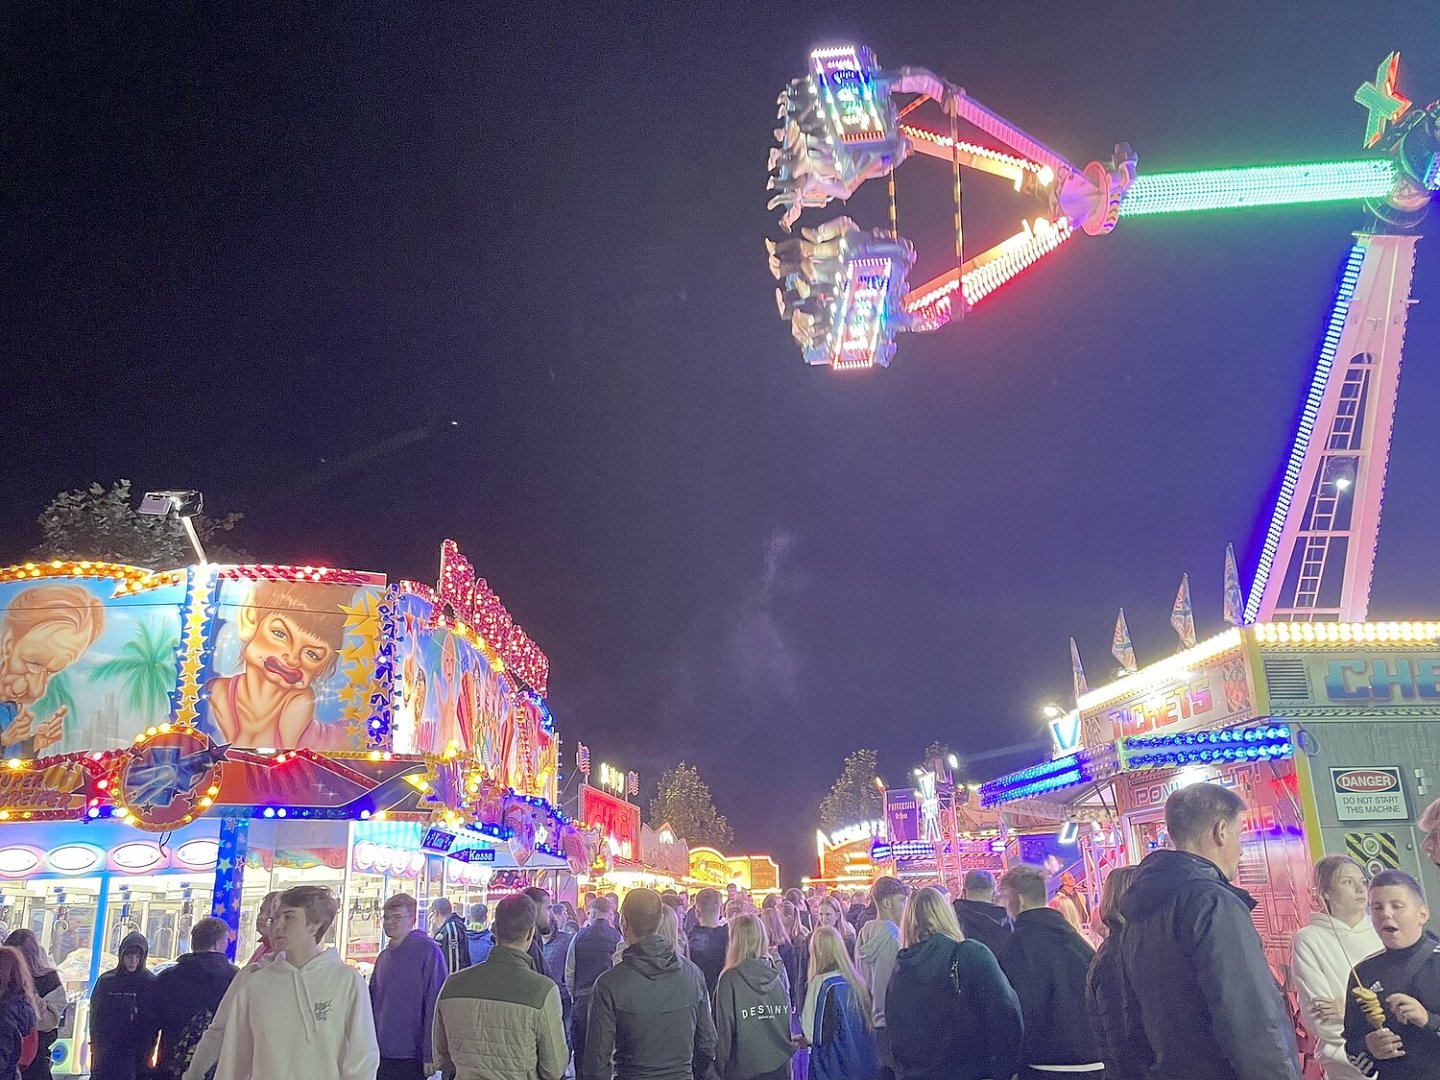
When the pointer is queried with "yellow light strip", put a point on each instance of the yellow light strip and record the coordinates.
(1338, 633)
(1167, 670)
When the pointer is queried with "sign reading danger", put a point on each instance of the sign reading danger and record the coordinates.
(1375, 851)
(1371, 793)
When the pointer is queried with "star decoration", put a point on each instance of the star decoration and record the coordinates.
(1383, 102)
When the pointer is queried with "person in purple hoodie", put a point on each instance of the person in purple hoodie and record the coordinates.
(408, 975)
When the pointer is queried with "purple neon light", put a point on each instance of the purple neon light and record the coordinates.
(1344, 294)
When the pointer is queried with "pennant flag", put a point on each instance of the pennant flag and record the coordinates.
(1077, 672)
(1234, 598)
(582, 759)
(1121, 647)
(1182, 618)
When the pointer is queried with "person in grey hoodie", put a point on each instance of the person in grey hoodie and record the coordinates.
(876, 949)
(752, 1009)
(650, 1014)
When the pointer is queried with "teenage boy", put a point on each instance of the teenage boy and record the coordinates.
(876, 948)
(307, 1014)
(408, 975)
(1405, 979)
(710, 940)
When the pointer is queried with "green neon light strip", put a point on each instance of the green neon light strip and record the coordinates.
(1265, 185)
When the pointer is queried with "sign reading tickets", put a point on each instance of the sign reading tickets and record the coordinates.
(1368, 793)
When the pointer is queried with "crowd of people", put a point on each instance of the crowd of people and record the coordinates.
(988, 980)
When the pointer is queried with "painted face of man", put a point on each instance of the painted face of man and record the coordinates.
(289, 656)
(29, 662)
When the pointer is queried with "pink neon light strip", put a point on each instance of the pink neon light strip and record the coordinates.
(920, 135)
(932, 303)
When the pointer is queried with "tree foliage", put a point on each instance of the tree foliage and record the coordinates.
(684, 802)
(104, 525)
(856, 795)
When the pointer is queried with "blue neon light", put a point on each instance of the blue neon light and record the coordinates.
(1349, 279)
(1207, 747)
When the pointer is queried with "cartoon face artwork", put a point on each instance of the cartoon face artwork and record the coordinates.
(291, 635)
(45, 629)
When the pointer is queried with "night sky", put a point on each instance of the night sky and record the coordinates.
(273, 257)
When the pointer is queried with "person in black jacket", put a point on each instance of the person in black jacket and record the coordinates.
(18, 1007)
(950, 1012)
(188, 994)
(1046, 959)
(1199, 995)
(1105, 987)
(1405, 981)
(980, 917)
(590, 955)
(122, 1015)
(649, 1014)
(449, 931)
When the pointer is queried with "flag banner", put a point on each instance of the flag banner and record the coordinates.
(1121, 647)
(1182, 617)
(1077, 671)
(1234, 598)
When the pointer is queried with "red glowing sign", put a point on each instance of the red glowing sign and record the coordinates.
(618, 820)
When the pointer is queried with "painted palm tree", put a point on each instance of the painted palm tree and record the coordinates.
(146, 665)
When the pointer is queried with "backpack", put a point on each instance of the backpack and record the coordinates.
(480, 943)
(849, 1054)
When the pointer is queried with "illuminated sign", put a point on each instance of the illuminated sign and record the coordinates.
(1215, 696)
(612, 779)
(1384, 679)
(861, 316)
(619, 820)
(855, 106)
(859, 831)
(438, 840)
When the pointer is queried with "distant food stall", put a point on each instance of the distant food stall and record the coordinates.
(177, 744)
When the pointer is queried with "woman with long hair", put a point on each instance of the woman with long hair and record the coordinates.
(782, 951)
(836, 1020)
(831, 913)
(799, 936)
(50, 1001)
(18, 1009)
(949, 1011)
(669, 930)
(752, 1008)
(1105, 987)
(1325, 953)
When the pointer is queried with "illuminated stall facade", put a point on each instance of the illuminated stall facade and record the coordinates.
(177, 744)
(1328, 731)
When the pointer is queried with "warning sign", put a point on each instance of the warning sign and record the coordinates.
(1368, 793)
(1375, 851)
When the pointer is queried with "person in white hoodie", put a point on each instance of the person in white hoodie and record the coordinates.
(1323, 955)
(307, 1014)
(875, 951)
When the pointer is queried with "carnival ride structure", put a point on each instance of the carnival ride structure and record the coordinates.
(845, 291)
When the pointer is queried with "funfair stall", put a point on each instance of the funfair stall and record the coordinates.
(1330, 732)
(177, 744)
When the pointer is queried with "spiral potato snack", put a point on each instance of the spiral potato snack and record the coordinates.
(1370, 1006)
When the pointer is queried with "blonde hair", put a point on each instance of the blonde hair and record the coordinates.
(71, 605)
(748, 941)
(827, 954)
(1116, 884)
(927, 912)
(670, 930)
(842, 924)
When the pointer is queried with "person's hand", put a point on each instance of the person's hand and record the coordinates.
(799, 1042)
(1384, 1045)
(52, 730)
(1326, 1009)
(1407, 1010)
(19, 729)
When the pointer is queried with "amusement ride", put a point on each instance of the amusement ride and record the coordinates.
(844, 289)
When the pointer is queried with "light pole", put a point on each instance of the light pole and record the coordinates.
(185, 505)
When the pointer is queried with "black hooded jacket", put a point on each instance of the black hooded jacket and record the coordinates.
(186, 997)
(982, 922)
(752, 1021)
(1045, 960)
(17, 1019)
(122, 1017)
(649, 1018)
(951, 1014)
(1200, 1000)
